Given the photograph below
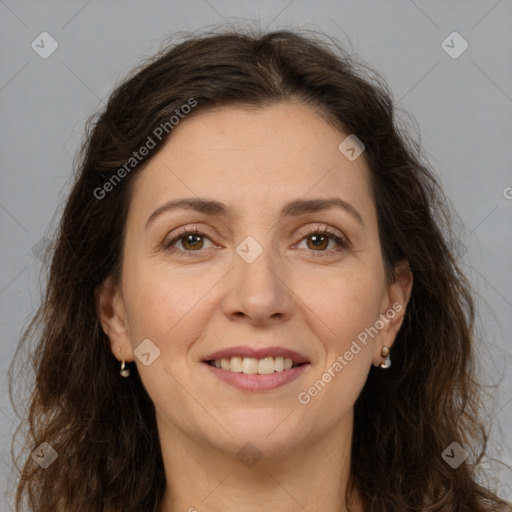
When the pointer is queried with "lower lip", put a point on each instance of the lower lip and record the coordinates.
(256, 382)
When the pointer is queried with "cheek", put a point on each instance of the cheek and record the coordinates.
(339, 316)
(343, 305)
(169, 308)
(165, 304)
(347, 306)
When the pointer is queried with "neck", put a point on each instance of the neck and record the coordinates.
(313, 476)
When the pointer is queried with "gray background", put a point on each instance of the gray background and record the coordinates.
(463, 107)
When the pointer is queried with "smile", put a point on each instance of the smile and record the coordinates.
(251, 365)
(256, 369)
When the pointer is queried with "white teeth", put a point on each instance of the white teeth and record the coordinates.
(235, 365)
(266, 366)
(252, 366)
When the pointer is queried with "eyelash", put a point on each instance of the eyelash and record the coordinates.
(341, 241)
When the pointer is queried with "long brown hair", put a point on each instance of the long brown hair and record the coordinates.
(103, 427)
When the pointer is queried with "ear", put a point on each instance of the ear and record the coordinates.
(393, 309)
(112, 315)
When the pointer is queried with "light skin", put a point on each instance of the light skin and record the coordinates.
(314, 298)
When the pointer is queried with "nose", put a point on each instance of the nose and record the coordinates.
(258, 292)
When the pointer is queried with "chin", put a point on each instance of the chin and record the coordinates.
(271, 431)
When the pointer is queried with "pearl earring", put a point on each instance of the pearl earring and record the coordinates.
(387, 361)
(124, 371)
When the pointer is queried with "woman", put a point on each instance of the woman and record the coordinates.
(249, 243)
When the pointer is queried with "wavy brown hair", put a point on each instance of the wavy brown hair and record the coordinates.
(103, 427)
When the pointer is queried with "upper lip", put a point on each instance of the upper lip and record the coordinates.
(260, 353)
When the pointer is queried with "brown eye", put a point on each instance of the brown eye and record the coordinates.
(192, 242)
(318, 241)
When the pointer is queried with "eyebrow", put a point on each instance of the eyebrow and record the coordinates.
(293, 208)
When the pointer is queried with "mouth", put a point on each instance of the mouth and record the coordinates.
(252, 366)
(256, 369)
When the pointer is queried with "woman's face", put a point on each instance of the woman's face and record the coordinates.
(259, 275)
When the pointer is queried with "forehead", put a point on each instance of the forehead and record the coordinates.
(262, 156)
